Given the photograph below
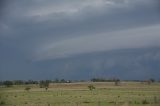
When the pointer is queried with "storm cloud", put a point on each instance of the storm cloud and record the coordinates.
(135, 38)
(56, 31)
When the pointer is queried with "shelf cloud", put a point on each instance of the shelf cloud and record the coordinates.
(131, 38)
(56, 31)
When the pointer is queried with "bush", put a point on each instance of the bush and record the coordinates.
(18, 82)
(145, 102)
(91, 87)
(152, 80)
(8, 83)
(2, 103)
(117, 82)
(27, 88)
(44, 84)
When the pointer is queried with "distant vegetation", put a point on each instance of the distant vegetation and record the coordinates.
(7, 83)
(104, 80)
(45, 83)
(115, 80)
(27, 88)
(42, 83)
(91, 87)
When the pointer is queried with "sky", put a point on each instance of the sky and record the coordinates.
(79, 39)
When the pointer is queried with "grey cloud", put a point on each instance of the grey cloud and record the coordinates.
(89, 19)
(134, 38)
(45, 30)
(66, 27)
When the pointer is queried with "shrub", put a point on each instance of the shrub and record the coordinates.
(145, 102)
(117, 82)
(27, 88)
(91, 87)
(2, 103)
(46, 88)
(44, 84)
(8, 83)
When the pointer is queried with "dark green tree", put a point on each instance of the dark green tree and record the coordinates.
(152, 80)
(18, 82)
(8, 83)
(44, 83)
(117, 82)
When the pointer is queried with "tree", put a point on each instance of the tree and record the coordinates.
(31, 82)
(152, 80)
(44, 84)
(18, 82)
(117, 82)
(63, 81)
(8, 83)
(91, 87)
(1, 83)
(56, 80)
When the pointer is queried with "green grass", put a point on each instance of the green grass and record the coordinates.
(78, 94)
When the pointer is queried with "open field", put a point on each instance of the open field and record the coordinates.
(78, 94)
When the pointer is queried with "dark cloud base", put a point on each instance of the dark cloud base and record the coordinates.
(128, 64)
(28, 26)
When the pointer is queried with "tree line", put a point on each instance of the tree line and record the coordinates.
(42, 83)
(45, 83)
(104, 80)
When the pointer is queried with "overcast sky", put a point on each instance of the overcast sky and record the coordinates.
(73, 39)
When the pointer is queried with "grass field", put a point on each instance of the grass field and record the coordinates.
(78, 94)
